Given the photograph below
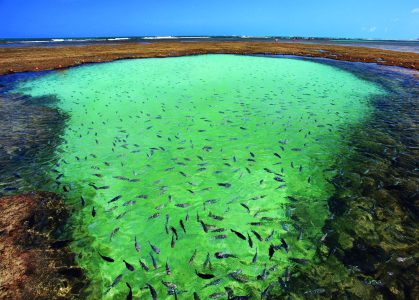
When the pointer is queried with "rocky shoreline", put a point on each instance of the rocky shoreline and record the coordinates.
(34, 264)
(26, 59)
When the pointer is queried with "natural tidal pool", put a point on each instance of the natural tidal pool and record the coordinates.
(189, 175)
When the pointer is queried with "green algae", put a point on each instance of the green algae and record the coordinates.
(170, 130)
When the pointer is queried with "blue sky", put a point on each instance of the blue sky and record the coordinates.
(388, 19)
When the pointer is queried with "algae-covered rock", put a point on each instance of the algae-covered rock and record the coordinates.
(34, 264)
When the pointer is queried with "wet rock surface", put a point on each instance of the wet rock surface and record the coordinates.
(50, 58)
(29, 133)
(34, 264)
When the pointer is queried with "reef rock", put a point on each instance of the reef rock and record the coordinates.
(33, 264)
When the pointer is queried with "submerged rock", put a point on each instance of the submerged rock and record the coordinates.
(34, 264)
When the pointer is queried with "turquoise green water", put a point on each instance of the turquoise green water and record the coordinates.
(164, 133)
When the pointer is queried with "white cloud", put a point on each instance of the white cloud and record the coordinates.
(415, 10)
(372, 29)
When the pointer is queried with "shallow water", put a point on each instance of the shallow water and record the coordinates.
(164, 133)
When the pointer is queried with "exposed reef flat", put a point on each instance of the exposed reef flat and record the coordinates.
(41, 58)
(33, 264)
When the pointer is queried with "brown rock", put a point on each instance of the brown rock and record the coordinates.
(31, 265)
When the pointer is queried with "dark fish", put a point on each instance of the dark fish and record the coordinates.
(271, 251)
(207, 261)
(232, 297)
(204, 226)
(115, 198)
(246, 207)
(255, 257)
(128, 265)
(277, 155)
(230, 293)
(115, 282)
(264, 274)
(136, 245)
(144, 266)
(256, 223)
(221, 255)
(128, 203)
(153, 260)
(107, 258)
(331, 251)
(182, 225)
(216, 295)
(115, 231)
(299, 260)
(215, 217)
(257, 235)
(192, 257)
(152, 291)
(156, 215)
(168, 271)
(238, 276)
(93, 212)
(204, 276)
(238, 234)
(315, 292)
(287, 275)
(121, 215)
(279, 179)
(224, 184)
(154, 248)
(166, 223)
(129, 296)
(220, 237)
(284, 245)
(214, 282)
(282, 283)
(249, 240)
(169, 285)
(172, 242)
(82, 201)
(266, 292)
(269, 237)
(195, 296)
(174, 231)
